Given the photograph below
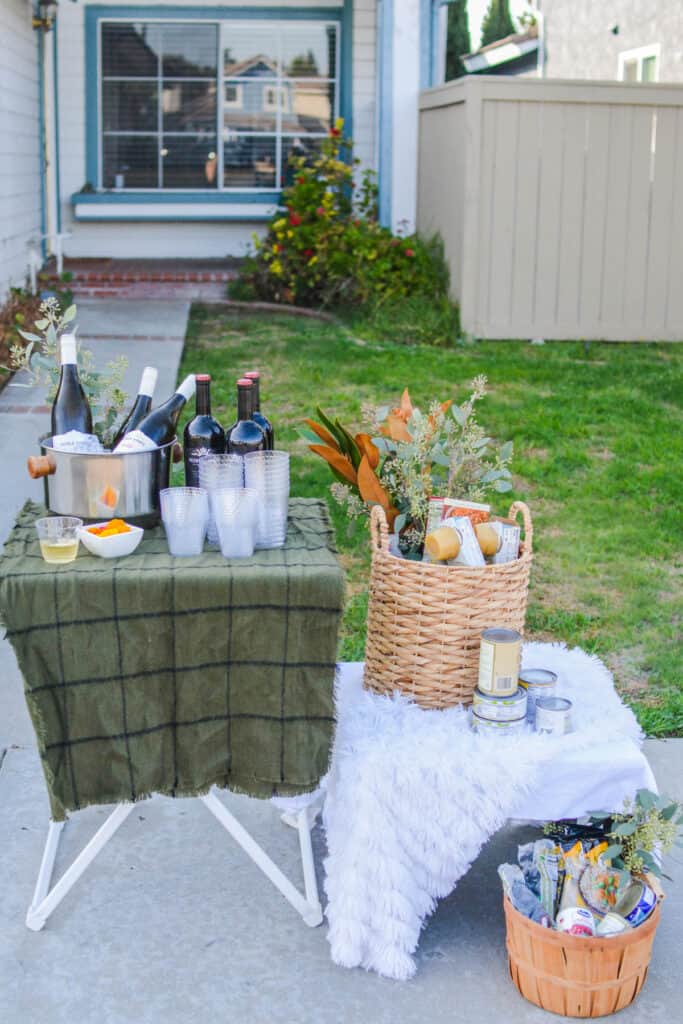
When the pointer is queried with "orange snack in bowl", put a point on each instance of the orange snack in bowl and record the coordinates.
(111, 529)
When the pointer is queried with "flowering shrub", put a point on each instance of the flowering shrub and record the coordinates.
(326, 247)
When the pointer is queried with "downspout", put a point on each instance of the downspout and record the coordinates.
(55, 155)
(42, 142)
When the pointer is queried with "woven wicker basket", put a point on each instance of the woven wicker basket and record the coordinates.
(576, 976)
(425, 621)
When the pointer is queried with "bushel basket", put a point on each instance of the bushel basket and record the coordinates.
(425, 621)
(577, 976)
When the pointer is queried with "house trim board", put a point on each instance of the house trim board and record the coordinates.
(341, 13)
(385, 11)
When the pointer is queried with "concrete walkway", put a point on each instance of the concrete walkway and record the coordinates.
(172, 924)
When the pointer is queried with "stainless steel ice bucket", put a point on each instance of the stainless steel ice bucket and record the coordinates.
(105, 485)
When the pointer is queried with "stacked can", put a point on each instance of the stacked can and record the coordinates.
(498, 704)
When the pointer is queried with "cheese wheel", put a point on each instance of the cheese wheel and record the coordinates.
(443, 544)
(489, 541)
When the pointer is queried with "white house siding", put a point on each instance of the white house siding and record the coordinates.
(581, 43)
(177, 238)
(19, 141)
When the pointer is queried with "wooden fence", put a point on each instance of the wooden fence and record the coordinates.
(560, 204)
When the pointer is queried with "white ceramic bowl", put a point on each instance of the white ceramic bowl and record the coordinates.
(111, 547)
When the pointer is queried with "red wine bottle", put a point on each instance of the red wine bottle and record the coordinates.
(245, 435)
(142, 404)
(203, 435)
(159, 426)
(255, 377)
(70, 409)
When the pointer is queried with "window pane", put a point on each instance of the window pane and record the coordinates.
(130, 50)
(249, 162)
(134, 157)
(189, 161)
(189, 50)
(129, 106)
(296, 147)
(630, 71)
(649, 69)
(307, 106)
(309, 51)
(253, 106)
(188, 106)
(251, 51)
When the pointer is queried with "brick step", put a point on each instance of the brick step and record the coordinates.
(150, 290)
(117, 277)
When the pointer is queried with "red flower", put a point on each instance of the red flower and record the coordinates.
(320, 211)
(301, 181)
(410, 252)
(335, 133)
(294, 219)
(394, 242)
(308, 253)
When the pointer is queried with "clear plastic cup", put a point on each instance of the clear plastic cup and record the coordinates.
(268, 474)
(219, 471)
(185, 515)
(236, 511)
(58, 538)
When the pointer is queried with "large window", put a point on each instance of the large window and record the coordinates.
(213, 105)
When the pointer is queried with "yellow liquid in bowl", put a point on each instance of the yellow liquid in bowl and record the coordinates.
(59, 551)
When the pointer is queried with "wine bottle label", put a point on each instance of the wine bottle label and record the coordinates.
(193, 456)
(135, 441)
(75, 441)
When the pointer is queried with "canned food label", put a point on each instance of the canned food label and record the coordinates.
(498, 667)
(553, 716)
(500, 709)
(508, 548)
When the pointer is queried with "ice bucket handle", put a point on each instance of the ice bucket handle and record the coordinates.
(40, 465)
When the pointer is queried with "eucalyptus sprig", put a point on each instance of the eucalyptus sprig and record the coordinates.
(39, 357)
(648, 827)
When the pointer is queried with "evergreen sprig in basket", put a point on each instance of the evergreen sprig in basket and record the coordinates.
(425, 621)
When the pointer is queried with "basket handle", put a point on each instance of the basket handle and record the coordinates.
(379, 529)
(515, 508)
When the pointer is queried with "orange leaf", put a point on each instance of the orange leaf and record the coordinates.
(396, 428)
(337, 461)
(406, 406)
(369, 486)
(364, 442)
(323, 434)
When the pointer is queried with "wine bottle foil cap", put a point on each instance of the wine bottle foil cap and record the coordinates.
(253, 375)
(202, 377)
(244, 382)
(67, 348)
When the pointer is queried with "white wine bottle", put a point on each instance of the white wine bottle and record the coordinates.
(70, 409)
(159, 426)
(142, 404)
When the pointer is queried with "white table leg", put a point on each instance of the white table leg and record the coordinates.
(45, 900)
(309, 907)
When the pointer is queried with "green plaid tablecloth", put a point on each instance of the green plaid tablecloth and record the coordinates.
(152, 674)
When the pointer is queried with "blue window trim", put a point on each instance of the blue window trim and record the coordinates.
(94, 14)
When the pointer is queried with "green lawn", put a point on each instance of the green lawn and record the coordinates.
(598, 434)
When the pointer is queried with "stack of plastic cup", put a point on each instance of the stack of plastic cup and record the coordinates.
(185, 515)
(235, 512)
(268, 474)
(219, 471)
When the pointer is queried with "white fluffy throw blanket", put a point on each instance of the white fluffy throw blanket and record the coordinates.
(413, 795)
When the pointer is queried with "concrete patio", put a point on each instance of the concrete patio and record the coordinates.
(172, 922)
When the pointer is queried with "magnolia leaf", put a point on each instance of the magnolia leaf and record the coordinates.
(396, 428)
(337, 461)
(506, 451)
(327, 422)
(502, 486)
(69, 315)
(349, 446)
(307, 435)
(369, 487)
(626, 828)
(28, 336)
(366, 447)
(322, 433)
(406, 406)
